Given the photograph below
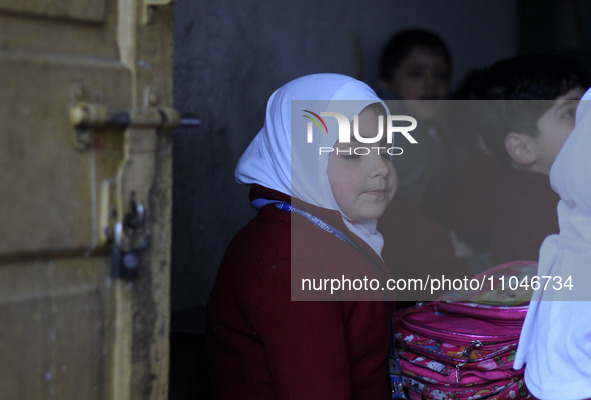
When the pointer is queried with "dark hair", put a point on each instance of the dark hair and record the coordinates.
(404, 42)
(531, 77)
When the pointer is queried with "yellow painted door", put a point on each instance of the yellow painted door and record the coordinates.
(85, 198)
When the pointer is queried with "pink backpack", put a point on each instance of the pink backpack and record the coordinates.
(463, 346)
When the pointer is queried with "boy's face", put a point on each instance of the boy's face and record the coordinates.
(362, 185)
(423, 76)
(554, 128)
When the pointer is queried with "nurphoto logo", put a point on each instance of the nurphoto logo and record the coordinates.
(392, 126)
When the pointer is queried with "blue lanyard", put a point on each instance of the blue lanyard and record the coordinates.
(394, 361)
(258, 203)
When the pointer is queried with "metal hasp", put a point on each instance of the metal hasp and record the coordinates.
(125, 254)
(121, 218)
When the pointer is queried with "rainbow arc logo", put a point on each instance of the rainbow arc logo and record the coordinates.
(317, 120)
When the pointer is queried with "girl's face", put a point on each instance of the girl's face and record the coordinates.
(362, 185)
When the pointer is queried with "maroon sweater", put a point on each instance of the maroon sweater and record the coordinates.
(524, 214)
(263, 345)
(415, 246)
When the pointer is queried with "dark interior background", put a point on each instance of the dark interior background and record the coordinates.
(231, 55)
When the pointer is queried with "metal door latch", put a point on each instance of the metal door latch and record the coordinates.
(125, 255)
(95, 115)
(88, 116)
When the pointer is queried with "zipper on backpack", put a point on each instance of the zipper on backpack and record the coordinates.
(476, 345)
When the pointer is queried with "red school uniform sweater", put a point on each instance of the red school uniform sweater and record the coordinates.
(262, 345)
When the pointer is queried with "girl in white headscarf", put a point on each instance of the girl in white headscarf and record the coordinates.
(317, 221)
(555, 343)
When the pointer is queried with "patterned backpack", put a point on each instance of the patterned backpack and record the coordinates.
(463, 346)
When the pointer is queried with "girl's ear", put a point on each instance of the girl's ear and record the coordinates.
(521, 148)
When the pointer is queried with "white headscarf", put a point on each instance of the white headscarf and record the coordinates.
(570, 176)
(290, 165)
(556, 337)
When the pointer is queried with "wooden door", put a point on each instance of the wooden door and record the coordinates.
(85, 198)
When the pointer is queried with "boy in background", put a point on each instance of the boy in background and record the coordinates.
(529, 114)
(415, 69)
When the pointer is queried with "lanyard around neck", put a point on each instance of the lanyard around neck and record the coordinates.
(284, 206)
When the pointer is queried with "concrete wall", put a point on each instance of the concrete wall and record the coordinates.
(231, 55)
